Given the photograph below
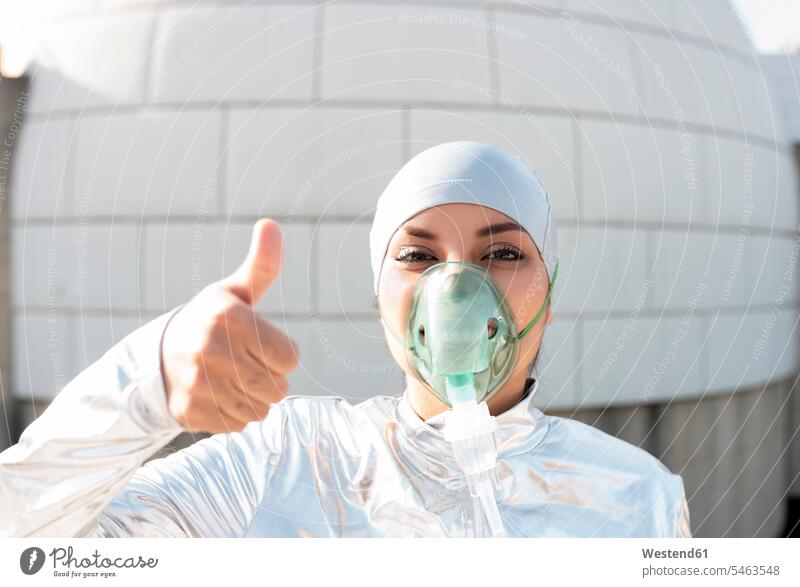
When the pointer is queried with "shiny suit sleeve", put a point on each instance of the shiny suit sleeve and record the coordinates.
(88, 446)
(212, 488)
(683, 521)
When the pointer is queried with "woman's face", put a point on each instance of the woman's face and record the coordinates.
(479, 235)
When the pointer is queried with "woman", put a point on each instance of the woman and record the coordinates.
(317, 466)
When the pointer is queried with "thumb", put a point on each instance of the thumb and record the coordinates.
(262, 264)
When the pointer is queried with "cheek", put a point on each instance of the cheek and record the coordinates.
(530, 343)
(395, 292)
(525, 291)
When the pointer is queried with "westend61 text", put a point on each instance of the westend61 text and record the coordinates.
(688, 553)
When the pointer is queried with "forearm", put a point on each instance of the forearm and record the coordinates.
(77, 456)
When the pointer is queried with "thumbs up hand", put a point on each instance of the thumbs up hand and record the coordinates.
(223, 365)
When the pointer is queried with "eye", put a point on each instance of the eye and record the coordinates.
(413, 256)
(506, 253)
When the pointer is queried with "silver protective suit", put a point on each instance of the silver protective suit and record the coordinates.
(315, 466)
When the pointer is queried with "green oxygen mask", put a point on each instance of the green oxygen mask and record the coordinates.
(461, 337)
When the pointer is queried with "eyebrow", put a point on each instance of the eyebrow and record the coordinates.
(485, 231)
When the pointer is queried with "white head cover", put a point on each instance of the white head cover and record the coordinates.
(465, 172)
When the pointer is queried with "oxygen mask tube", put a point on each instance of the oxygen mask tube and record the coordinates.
(470, 430)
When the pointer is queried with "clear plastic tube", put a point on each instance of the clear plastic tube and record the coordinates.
(470, 429)
(492, 514)
(477, 517)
